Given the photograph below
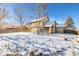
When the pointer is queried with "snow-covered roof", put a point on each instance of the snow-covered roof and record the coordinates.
(38, 19)
(49, 24)
(52, 23)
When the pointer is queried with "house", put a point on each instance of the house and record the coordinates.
(39, 22)
(44, 24)
(49, 26)
(34, 25)
(52, 27)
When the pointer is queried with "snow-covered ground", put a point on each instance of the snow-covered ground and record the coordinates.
(24, 43)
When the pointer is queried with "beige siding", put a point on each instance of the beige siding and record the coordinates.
(53, 29)
(50, 30)
(78, 32)
(59, 29)
(35, 24)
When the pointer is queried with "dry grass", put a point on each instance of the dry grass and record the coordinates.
(18, 29)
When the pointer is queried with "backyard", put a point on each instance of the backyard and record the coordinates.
(29, 44)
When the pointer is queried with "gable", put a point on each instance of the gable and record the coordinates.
(39, 23)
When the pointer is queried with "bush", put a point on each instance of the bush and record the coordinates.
(42, 31)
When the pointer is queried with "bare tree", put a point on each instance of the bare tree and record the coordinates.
(40, 9)
(19, 10)
(3, 13)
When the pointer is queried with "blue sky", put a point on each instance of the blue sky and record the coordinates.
(56, 11)
(60, 12)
